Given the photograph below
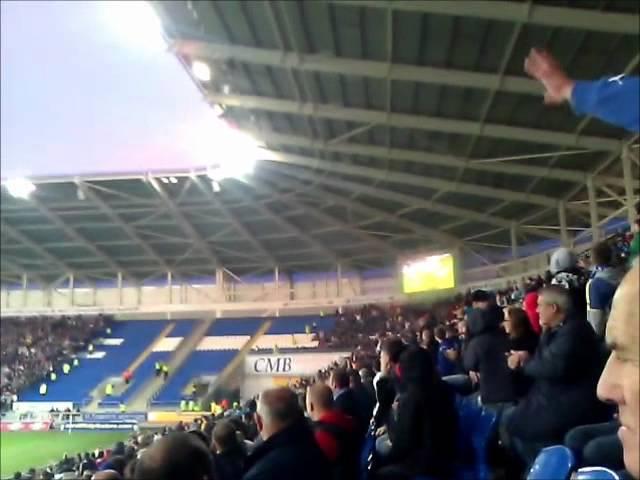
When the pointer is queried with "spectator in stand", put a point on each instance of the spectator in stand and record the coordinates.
(601, 287)
(423, 440)
(620, 380)
(366, 376)
(429, 343)
(345, 398)
(564, 370)
(335, 432)
(229, 452)
(485, 359)
(178, 455)
(448, 351)
(615, 100)
(530, 304)
(565, 272)
(390, 353)
(289, 450)
(516, 324)
(365, 400)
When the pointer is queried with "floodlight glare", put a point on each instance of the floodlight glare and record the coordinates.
(137, 23)
(20, 187)
(201, 71)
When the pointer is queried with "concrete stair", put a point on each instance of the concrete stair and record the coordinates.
(140, 401)
(118, 383)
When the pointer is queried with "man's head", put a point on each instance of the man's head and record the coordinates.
(390, 354)
(224, 436)
(554, 303)
(561, 260)
(620, 380)
(277, 409)
(480, 299)
(339, 379)
(602, 254)
(354, 379)
(319, 400)
(178, 455)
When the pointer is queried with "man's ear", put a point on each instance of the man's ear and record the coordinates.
(259, 423)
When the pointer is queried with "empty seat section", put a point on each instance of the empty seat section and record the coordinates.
(197, 364)
(235, 326)
(76, 387)
(284, 325)
(146, 370)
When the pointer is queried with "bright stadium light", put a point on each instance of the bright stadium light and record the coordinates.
(173, 180)
(137, 23)
(201, 71)
(164, 180)
(215, 185)
(20, 187)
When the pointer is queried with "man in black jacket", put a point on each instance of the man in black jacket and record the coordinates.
(485, 355)
(345, 399)
(289, 450)
(565, 371)
(229, 452)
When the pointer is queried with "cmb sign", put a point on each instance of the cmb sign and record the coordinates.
(291, 364)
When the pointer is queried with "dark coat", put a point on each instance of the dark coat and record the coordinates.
(291, 454)
(424, 436)
(229, 465)
(486, 354)
(365, 402)
(565, 371)
(526, 343)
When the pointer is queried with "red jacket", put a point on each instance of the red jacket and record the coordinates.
(328, 442)
(530, 305)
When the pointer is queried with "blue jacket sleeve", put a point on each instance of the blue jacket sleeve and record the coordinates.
(615, 100)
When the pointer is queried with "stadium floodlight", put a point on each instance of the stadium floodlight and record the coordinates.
(173, 180)
(201, 71)
(164, 180)
(138, 24)
(215, 185)
(226, 89)
(20, 187)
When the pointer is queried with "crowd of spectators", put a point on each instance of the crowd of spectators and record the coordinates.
(31, 347)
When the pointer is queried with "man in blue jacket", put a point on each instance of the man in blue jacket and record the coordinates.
(615, 100)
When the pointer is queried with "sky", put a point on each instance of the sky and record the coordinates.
(81, 94)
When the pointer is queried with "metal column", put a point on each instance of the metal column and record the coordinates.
(593, 210)
(339, 280)
(119, 284)
(514, 240)
(628, 186)
(24, 290)
(71, 290)
(562, 217)
(170, 287)
(276, 279)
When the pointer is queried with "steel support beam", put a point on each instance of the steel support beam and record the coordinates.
(409, 179)
(438, 236)
(244, 231)
(514, 240)
(593, 210)
(185, 225)
(426, 158)
(324, 63)
(76, 236)
(419, 122)
(117, 219)
(550, 16)
(368, 239)
(411, 200)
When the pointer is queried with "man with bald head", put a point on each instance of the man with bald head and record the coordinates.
(178, 455)
(335, 432)
(289, 450)
(620, 380)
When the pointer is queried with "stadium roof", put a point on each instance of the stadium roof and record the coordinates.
(396, 126)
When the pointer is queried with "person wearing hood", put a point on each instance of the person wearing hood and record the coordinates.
(485, 355)
(602, 285)
(565, 272)
(423, 440)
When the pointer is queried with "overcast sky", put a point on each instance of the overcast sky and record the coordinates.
(80, 97)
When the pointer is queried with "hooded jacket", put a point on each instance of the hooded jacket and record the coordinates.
(486, 354)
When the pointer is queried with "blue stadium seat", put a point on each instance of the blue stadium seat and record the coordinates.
(555, 462)
(595, 473)
(476, 426)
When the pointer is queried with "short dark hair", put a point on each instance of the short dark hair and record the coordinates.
(440, 332)
(354, 377)
(178, 455)
(340, 378)
(393, 347)
(480, 296)
(602, 254)
(224, 435)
